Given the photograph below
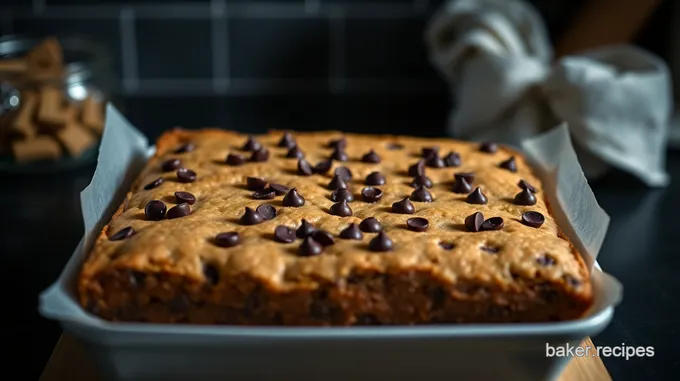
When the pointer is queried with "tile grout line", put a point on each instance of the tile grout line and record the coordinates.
(220, 47)
(128, 41)
(38, 7)
(336, 56)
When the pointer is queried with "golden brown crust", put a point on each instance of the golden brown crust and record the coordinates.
(159, 274)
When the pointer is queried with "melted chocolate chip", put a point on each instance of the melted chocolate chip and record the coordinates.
(352, 232)
(460, 185)
(186, 175)
(251, 144)
(305, 229)
(264, 194)
(490, 249)
(394, 146)
(293, 199)
(323, 237)
(488, 147)
(371, 194)
(154, 183)
(546, 260)
(235, 159)
(287, 140)
(211, 273)
(403, 207)
(309, 248)
(417, 224)
(572, 281)
(468, 176)
(341, 209)
(476, 197)
(279, 189)
(251, 217)
(155, 210)
(434, 161)
(323, 166)
(344, 173)
(525, 197)
(337, 183)
(255, 183)
(509, 164)
(339, 155)
(417, 169)
(421, 194)
(284, 234)
(295, 152)
(447, 245)
(260, 155)
(304, 168)
(380, 243)
(227, 239)
(123, 233)
(342, 195)
(493, 223)
(533, 219)
(185, 197)
(427, 152)
(170, 165)
(186, 147)
(179, 210)
(370, 225)
(267, 211)
(375, 178)
(473, 222)
(338, 143)
(421, 180)
(452, 159)
(522, 184)
(371, 157)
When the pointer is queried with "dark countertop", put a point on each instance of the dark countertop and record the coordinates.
(41, 226)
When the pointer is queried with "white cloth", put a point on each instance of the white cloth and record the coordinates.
(616, 100)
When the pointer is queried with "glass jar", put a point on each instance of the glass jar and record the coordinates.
(87, 72)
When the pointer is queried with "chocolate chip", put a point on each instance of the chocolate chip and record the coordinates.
(260, 155)
(227, 239)
(421, 194)
(339, 155)
(154, 183)
(123, 233)
(344, 173)
(421, 181)
(279, 189)
(251, 144)
(342, 195)
(572, 281)
(323, 237)
(211, 273)
(476, 197)
(323, 166)
(155, 210)
(493, 223)
(179, 304)
(380, 242)
(452, 159)
(352, 232)
(186, 147)
(337, 183)
(434, 161)
(235, 159)
(468, 176)
(525, 197)
(509, 164)
(417, 169)
(394, 146)
(370, 225)
(371, 157)
(338, 143)
(490, 249)
(304, 168)
(417, 224)
(488, 147)
(340, 209)
(255, 183)
(525, 185)
(170, 165)
(295, 152)
(179, 210)
(292, 198)
(460, 185)
(185, 197)
(473, 222)
(446, 245)
(546, 260)
(284, 234)
(264, 194)
(287, 140)
(309, 248)
(427, 152)
(267, 211)
(375, 178)
(371, 194)
(533, 219)
(251, 217)
(186, 175)
(403, 207)
(305, 229)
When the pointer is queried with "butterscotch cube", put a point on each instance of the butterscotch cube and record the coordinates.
(75, 138)
(40, 148)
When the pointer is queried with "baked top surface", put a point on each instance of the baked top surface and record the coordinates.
(183, 246)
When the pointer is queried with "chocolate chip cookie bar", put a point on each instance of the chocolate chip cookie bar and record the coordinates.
(328, 228)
